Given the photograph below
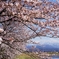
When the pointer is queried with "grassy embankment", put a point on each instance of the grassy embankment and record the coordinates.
(27, 56)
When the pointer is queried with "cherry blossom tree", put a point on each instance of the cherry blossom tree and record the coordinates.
(22, 20)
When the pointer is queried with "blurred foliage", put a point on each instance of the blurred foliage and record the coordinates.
(3, 54)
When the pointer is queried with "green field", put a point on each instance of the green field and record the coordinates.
(25, 56)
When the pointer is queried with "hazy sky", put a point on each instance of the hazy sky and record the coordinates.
(46, 40)
(53, 0)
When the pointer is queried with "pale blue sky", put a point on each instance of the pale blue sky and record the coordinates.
(52, 0)
(46, 40)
